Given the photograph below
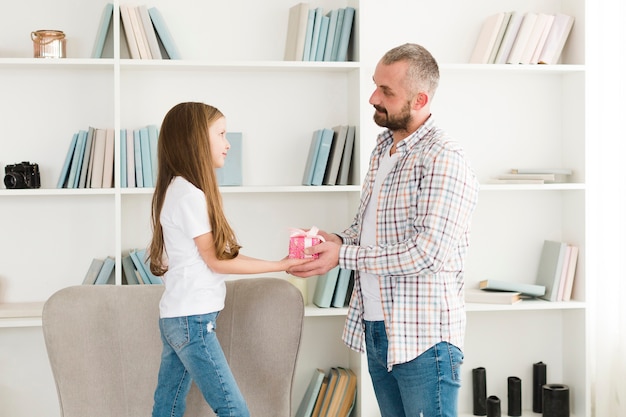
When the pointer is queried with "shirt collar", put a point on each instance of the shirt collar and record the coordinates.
(386, 137)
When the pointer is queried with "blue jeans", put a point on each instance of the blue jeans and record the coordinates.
(427, 386)
(191, 351)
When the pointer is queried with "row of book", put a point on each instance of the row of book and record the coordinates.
(329, 395)
(313, 35)
(334, 288)
(135, 270)
(330, 156)
(522, 38)
(554, 280)
(89, 160)
(533, 176)
(144, 31)
(138, 155)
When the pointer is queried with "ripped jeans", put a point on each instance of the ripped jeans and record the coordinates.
(191, 351)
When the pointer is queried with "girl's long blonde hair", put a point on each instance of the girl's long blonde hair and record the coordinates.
(184, 150)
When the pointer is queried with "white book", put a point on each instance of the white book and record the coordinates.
(559, 32)
(508, 39)
(533, 39)
(523, 34)
(487, 39)
(542, 40)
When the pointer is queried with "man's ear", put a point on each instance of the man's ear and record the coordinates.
(420, 100)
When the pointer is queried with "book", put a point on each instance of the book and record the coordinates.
(138, 167)
(133, 47)
(333, 377)
(325, 288)
(571, 273)
(559, 32)
(555, 171)
(231, 173)
(123, 160)
(487, 37)
(474, 295)
(320, 398)
(130, 158)
(163, 33)
(509, 37)
(550, 266)
(349, 395)
(346, 31)
(317, 26)
(308, 39)
(109, 155)
(323, 35)
(542, 39)
(296, 31)
(103, 29)
(341, 290)
(323, 153)
(93, 271)
(99, 146)
(532, 290)
(106, 272)
(533, 38)
(499, 38)
(543, 177)
(65, 169)
(143, 267)
(150, 33)
(140, 33)
(153, 138)
(84, 169)
(129, 272)
(335, 48)
(521, 40)
(334, 159)
(146, 158)
(309, 167)
(333, 16)
(339, 392)
(305, 409)
(561, 289)
(516, 181)
(343, 177)
(77, 160)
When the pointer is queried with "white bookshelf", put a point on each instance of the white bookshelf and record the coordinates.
(504, 116)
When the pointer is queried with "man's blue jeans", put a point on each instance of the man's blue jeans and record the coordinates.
(191, 351)
(427, 386)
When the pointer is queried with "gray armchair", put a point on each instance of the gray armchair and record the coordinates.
(104, 347)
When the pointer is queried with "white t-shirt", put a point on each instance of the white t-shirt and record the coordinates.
(191, 288)
(370, 289)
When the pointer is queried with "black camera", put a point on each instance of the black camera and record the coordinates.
(22, 175)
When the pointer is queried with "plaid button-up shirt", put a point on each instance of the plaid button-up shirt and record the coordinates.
(422, 231)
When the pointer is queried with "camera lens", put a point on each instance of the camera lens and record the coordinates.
(14, 180)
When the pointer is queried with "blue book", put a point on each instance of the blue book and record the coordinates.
(104, 276)
(84, 170)
(230, 173)
(317, 25)
(163, 33)
(343, 176)
(340, 15)
(146, 164)
(333, 15)
(321, 43)
(103, 29)
(322, 156)
(325, 288)
(346, 30)
(341, 292)
(153, 135)
(123, 160)
(312, 156)
(310, 396)
(138, 167)
(308, 39)
(65, 170)
(77, 160)
(128, 269)
(143, 266)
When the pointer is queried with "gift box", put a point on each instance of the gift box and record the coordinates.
(300, 239)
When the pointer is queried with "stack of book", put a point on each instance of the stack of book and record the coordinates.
(334, 288)
(330, 156)
(135, 268)
(89, 160)
(533, 176)
(313, 35)
(522, 38)
(138, 154)
(331, 395)
(144, 31)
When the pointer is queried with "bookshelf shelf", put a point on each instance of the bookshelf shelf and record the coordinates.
(504, 116)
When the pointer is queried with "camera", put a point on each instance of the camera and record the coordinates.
(22, 175)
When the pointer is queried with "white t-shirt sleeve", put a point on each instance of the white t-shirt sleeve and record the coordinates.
(193, 217)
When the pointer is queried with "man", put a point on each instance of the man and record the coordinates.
(407, 246)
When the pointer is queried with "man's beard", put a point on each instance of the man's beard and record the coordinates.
(399, 121)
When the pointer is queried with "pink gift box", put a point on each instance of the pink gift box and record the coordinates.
(299, 240)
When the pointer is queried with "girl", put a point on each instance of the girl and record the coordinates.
(193, 247)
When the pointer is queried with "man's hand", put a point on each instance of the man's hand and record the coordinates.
(328, 258)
